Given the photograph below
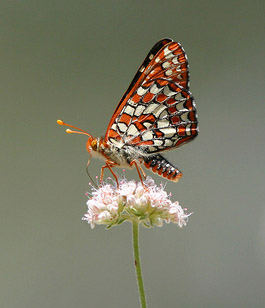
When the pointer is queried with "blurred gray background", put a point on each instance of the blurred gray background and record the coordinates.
(73, 60)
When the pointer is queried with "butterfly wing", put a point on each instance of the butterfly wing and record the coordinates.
(157, 112)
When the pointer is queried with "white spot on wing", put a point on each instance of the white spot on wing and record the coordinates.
(184, 117)
(141, 91)
(150, 108)
(166, 51)
(129, 110)
(168, 132)
(166, 65)
(118, 144)
(175, 60)
(180, 106)
(162, 123)
(132, 130)
(154, 89)
(139, 110)
(147, 124)
(168, 143)
(188, 129)
(158, 142)
(168, 92)
(147, 136)
(164, 114)
(132, 103)
(141, 69)
(168, 72)
(169, 56)
(178, 96)
(159, 110)
(122, 127)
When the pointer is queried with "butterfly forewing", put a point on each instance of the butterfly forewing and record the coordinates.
(157, 112)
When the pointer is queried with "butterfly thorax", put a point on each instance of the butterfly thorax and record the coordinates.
(119, 154)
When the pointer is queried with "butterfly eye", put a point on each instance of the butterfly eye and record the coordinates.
(94, 144)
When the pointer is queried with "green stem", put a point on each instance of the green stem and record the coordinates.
(137, 263)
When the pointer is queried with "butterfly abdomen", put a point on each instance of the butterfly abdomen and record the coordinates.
(159, 165)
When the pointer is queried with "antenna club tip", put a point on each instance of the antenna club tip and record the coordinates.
(69, 131)
(60, 122)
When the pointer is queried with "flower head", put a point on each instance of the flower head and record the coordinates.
(149, 204)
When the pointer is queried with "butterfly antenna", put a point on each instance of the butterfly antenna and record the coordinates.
(69, 131)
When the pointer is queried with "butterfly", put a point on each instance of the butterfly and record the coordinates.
(157, 113)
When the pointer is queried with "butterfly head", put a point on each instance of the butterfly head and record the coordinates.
(92, 144)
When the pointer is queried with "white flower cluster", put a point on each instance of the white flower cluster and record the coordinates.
(149, 205)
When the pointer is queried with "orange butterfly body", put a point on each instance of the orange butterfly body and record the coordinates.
(157, 113)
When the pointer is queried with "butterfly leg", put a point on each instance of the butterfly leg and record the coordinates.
(142, 170)
(109, 164)
(133, 162)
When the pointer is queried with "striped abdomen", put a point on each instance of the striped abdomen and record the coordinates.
(159, 165)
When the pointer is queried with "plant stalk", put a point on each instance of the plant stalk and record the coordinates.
(138, 264)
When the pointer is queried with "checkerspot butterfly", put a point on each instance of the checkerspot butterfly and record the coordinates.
(157, 113)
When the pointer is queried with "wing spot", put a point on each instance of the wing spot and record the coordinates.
(160, 108)
(168, 72)
(129, 110)
(150, 108)
(175, 119)
(181, 130)
(168, 132)
(122, 127)
(180, 106)
(168, 143)
(164, 114)
(175, 60)
(162, 123)
(184, 116)
(141, 91)
(148, 97)
(167, 51)
(188, 129)
(179, 96)
(166, 65)
(147, 136)
(114, 126)
(167, 91)
(147, 124)
(132, 130)
(158, 142)
(141, 69)
(139, 110)
(154, 89)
